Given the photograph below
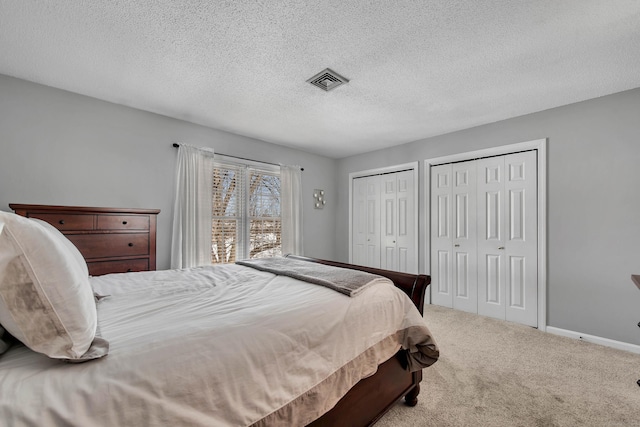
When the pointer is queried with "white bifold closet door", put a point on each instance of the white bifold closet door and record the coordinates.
(484, 236)
(384, 222)
(508, 238)
(453, 242)
(397, 219)
(366, 221)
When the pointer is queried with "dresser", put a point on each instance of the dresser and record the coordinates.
(112, 240)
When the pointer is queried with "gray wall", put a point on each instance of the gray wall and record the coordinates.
(61, 148)
(593, 205)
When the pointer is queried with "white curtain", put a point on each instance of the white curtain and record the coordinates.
(191, 239)
(291, 209)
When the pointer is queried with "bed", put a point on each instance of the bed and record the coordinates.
(229, 345)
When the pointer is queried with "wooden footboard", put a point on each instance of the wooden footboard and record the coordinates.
(372, 397)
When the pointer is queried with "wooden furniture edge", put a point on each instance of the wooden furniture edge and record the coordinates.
(636, 279)
(355, 408)
(81, 209)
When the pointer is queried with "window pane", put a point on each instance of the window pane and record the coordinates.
(264, 213)
(224, 245)
(227, 205)
(225, 192)
(264, 195)
(265, 238)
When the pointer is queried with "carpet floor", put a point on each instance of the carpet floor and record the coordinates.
(497, 373)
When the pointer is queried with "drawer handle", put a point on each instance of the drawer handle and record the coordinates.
(61, 222)
(124, 222)
(130, 244)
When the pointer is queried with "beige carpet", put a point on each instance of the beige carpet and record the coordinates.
(496, 373)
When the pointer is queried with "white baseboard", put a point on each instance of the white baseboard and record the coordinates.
(633, 348)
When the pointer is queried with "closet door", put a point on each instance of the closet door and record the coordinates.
(397, 219)
(521, 235)
(372, 221)
(365, 245)
(407, 223)
(454, 236)
(507, 237)
(441, 236)
(491, 241)
(464, 237)
(359, 226)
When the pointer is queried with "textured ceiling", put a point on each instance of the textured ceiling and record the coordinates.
(416, 68)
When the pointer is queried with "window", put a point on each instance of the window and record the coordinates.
(246, 220)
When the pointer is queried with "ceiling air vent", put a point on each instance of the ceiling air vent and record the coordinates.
(327, 79)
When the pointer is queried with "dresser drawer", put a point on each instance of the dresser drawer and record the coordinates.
(123, 222)
(105, 267)
(111, 245)
(64, 221)
(111, 240)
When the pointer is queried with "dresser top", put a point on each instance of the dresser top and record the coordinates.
(81, 209)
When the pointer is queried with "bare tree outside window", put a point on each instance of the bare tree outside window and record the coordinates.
(264, 215)
(225, 215)
(246, 214)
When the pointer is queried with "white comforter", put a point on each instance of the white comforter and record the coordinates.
(211, 346)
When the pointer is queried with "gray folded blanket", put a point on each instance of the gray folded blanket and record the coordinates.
(343, 280)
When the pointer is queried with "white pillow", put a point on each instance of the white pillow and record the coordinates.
(70, 247)
(45, 297)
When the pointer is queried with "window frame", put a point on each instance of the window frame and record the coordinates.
(242, 218)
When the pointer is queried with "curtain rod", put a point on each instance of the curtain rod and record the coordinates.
(241, 158)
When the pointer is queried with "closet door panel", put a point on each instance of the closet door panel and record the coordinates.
(389, 220)
(406, 223)
(358, 228)
(464, 238)
(491, 230)
(441, 236)
(373, 221)
(492, 279)
(521, 246)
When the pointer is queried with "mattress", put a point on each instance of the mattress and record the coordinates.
(225, 345)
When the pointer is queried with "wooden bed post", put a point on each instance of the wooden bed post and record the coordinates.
(411, 398)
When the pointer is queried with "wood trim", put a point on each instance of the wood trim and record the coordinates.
(80, 209)
(153, 221)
